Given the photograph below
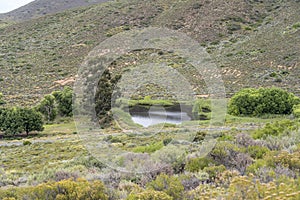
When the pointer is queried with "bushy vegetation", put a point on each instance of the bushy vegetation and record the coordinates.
(67, 189)
(279, 128)
(105, 97)
(169, 185)
(14, 121)
(59, 102)
(197, 164)
(47, 107)
(149, 195)
(64, 101)
(258, 102)
(17, 120)
(149, 148)
(1, 99)
(296, 111)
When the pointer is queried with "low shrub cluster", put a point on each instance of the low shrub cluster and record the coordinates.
(231, 156)
(279, 128)
(149, 195)
(67, 189)
(149, 148)
(170, 185)
(196, 164)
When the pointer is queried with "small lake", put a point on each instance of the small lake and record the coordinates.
(148, 118)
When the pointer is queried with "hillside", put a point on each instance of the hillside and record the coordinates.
(251, 41)
(39, 8)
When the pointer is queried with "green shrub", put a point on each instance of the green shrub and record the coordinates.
(149, 148)
(196, 164)
(257, 152)
(167, 141)
(276, 129)
(231, 156)
(64, 101)
(214, 171)
(170, 185)
(31, 120)
(26, 142)
(172, 155)
(105, 96)
(200, 135)
(226, 137)
(257, 102)
(63, 190)
(254, 167)
(296, 111)
(149, 195)
(222, 149)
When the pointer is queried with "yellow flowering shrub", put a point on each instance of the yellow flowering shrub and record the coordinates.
(149, 195)
(67, 189)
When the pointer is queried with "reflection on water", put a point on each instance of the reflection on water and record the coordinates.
(156, 117)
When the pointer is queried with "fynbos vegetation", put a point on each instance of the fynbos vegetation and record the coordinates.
(254, 153)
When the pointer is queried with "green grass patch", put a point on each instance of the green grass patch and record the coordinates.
(150, 102)
(59, 129)
(36, 156)
(147, 101)
(149, 148)
(230, 119)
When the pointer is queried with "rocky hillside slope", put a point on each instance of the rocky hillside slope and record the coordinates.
(39, 8)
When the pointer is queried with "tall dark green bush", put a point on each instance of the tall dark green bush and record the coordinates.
(105, 96)
(257, 102)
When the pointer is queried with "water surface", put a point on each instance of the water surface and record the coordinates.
(156, 117)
